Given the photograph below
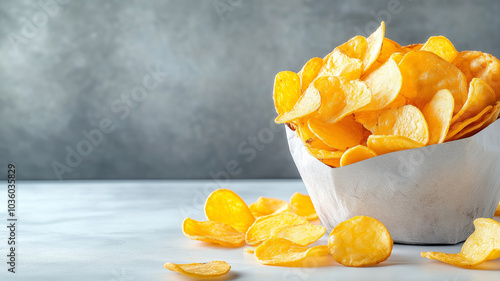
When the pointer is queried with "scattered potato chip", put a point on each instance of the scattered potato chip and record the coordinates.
(456, 127)
(375, 41)
(210, 269)
(360, 241)
(303, 206)
(476, 64)
(341, 65)
(441, 46)
(303, 234)
(223, 205)
(309, 72)
(356, 154)
(384, 84)
(438, 113)
(286, 91)
(407, 121)
(309, 102)
(266, 206)
(482, 245)
(382, 144)
(264, 226)
(341, 135)
(279, 251)
(212, 232)
(480, 96)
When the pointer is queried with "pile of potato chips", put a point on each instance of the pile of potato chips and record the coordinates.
(371, 96)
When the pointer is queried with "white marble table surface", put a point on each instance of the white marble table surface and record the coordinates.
(127, 230)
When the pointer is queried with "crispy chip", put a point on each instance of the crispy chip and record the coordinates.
(325, 154)
(482, 245)
(309, 72)
(480, 96)
(303, 206)
(309, 138)
(212, 232)
(303, 234)
(456, 127)
(264, 226)
(266, 206)
(279, 251)
(389, 50)
(334, 162)
(223, 205)
(360, 241)
(412, 47)
(382, 144)
(440, 46)
(341, 135)
(309, 102)
(497, 212)
(210, 269)
(286, 91)
(340, 64)
(384, 84)
(368, 119)
(407, 121)
(425, 73)
(356, 154)
(476, 64)
(375, 41)
(355, 48)
(438, 114)
(482, 123)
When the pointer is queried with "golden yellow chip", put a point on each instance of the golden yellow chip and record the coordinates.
(356, 154)
(223, 205)
(375, 41)
(264, 226)
(482, 245)
(309, 72)
(309, 102)
(286, 91)
(303, 206)
(341, 135)
(266, 206)
(360, 241)
(412, 47)
(341, 65)
(279, 251)
(407, 121)
(382, 144)
(438, 113)
(369, 119)
(497, 212)
(441, 46)
(212, 232)
(303, 234)
(325, 154)
(355, 48)
(209, 269)
(309, 138)
(384, 84)
(482, 123)
(389, 50)
(425, 73)
(457, 127)
(480, 96)
(334, 162)
(476, 64)
(397, 57)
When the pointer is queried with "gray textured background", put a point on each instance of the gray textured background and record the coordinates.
(67, 67)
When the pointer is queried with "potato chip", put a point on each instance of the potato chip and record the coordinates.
(482, 245)
(355, 48)
(210, 269)
(482, 123)
(266, 206)
(325, 154)
(309, 102)
(456, 127)
(225, 206)
(382, 144)
(360, 241)
(341, 65)
(303, 206)
(212, 232)
(279, 251)
(412, 47)
(425, 73)
(476, 64)
(384, 84)
(438, 113)
(407, 121)
(497, 212)
(334, 162)
(264, 226)
(440, 46)
(369, 119)
(286, 91)
(303, 234)
(397, 57)
(389, 48)
(309, 72)
(309, 138)
(356, 154)
(480, 96)
(341, 135)
(375, 41)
